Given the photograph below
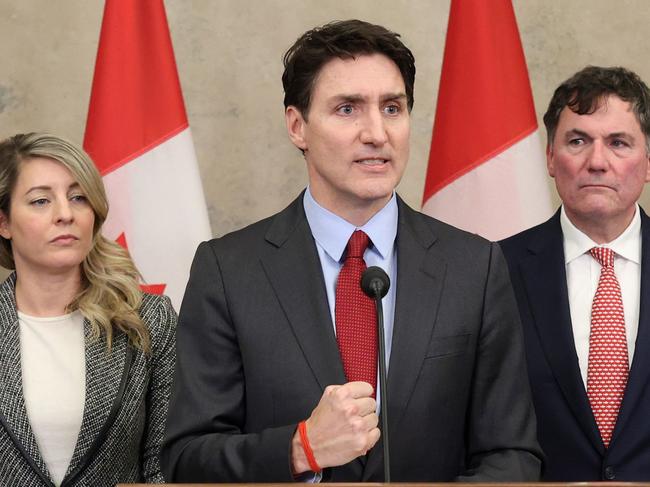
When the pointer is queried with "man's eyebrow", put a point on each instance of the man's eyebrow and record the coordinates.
(350, 98)
(611, 135)
(394, 96)
(578, 132)
(621, 135)
(356, 97)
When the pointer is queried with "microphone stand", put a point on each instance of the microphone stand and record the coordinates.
(375, 284)
(383, 387)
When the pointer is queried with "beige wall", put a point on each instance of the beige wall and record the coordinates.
(229, 57)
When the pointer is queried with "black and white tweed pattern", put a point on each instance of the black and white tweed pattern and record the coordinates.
(126, 403)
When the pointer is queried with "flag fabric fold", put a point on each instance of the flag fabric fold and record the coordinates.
(486, 171)
(138, 134)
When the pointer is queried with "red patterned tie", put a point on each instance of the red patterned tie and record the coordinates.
(356, 325)
(608, 364)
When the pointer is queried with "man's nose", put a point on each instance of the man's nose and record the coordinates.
(373, 130)
(598, 156)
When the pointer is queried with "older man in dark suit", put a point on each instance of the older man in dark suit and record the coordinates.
(582, 281)
(276, 377)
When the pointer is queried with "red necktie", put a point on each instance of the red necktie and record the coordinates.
(355, 313)
(608, 364)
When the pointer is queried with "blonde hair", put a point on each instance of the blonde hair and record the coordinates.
(110, 296)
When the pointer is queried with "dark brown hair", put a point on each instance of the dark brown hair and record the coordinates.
(344, 39)
(584, 91)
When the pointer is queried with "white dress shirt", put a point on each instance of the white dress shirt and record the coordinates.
(583, 273)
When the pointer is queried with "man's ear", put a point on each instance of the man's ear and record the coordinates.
(296, 127)
(550, 164)
(4, 226)
(647, 169)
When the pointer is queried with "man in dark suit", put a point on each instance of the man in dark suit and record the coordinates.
(276, 376)
(585, 318)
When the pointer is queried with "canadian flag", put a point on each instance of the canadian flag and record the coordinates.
(138, 135)
(487, 172)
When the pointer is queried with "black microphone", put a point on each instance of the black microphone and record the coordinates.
(375, 284)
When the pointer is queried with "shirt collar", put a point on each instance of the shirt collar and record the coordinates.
(333, 232)
(626, 245)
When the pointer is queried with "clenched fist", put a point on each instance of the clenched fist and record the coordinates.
(342, 427)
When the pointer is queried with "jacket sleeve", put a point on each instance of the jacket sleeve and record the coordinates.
(501, 428)
(206, 438)
(163, 357)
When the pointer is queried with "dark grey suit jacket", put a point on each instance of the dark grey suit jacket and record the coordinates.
(567, 428)
(127, 394)
(256, 348)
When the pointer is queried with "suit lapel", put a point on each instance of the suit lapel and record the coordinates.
(420, 276)
(640, 370)
(293, 268)
(13, 413)
(544, 277)
(106, 375)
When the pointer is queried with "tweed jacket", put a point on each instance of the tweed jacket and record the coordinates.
(124, 412)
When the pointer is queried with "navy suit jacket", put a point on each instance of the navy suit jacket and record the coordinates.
(567, 429)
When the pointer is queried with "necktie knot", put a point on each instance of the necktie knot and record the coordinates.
(604, 256)
(357, 244)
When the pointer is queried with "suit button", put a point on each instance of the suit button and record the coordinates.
(609, 473)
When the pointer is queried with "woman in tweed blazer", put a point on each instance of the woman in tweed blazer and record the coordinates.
(52, 207)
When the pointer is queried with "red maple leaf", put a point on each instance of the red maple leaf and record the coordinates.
(147, 288)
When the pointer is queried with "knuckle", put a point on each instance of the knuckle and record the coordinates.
(367, 405)
(357, 426)
(329, 390)
(351, 410)
(341, 392)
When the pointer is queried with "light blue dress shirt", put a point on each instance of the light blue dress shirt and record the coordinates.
(331, 233)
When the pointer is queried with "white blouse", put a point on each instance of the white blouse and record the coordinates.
(52, 356)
